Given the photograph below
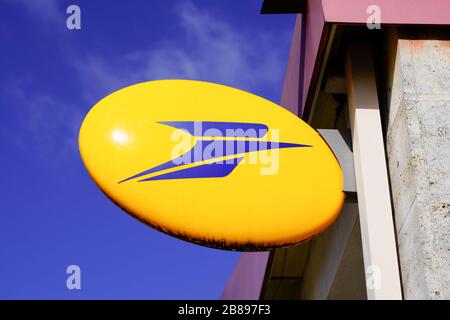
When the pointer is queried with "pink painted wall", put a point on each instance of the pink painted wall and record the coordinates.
(392, 11)
(290, 95)
(315, 22)
(248, 276)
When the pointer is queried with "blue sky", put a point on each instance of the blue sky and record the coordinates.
(52, 215)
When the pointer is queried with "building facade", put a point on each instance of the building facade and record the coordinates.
(380, 74)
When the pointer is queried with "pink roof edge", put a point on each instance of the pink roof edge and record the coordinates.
(420, 12)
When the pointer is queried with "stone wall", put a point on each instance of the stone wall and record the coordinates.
(418, 148)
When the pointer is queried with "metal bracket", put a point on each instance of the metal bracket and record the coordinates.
(340, 142)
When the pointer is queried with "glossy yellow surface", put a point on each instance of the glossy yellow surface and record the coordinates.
(245, 210)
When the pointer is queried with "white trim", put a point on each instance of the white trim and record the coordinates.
(377, 226)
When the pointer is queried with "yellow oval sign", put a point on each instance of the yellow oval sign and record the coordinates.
(212, 164)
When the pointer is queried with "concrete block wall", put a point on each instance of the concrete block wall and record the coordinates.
(418, 149)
